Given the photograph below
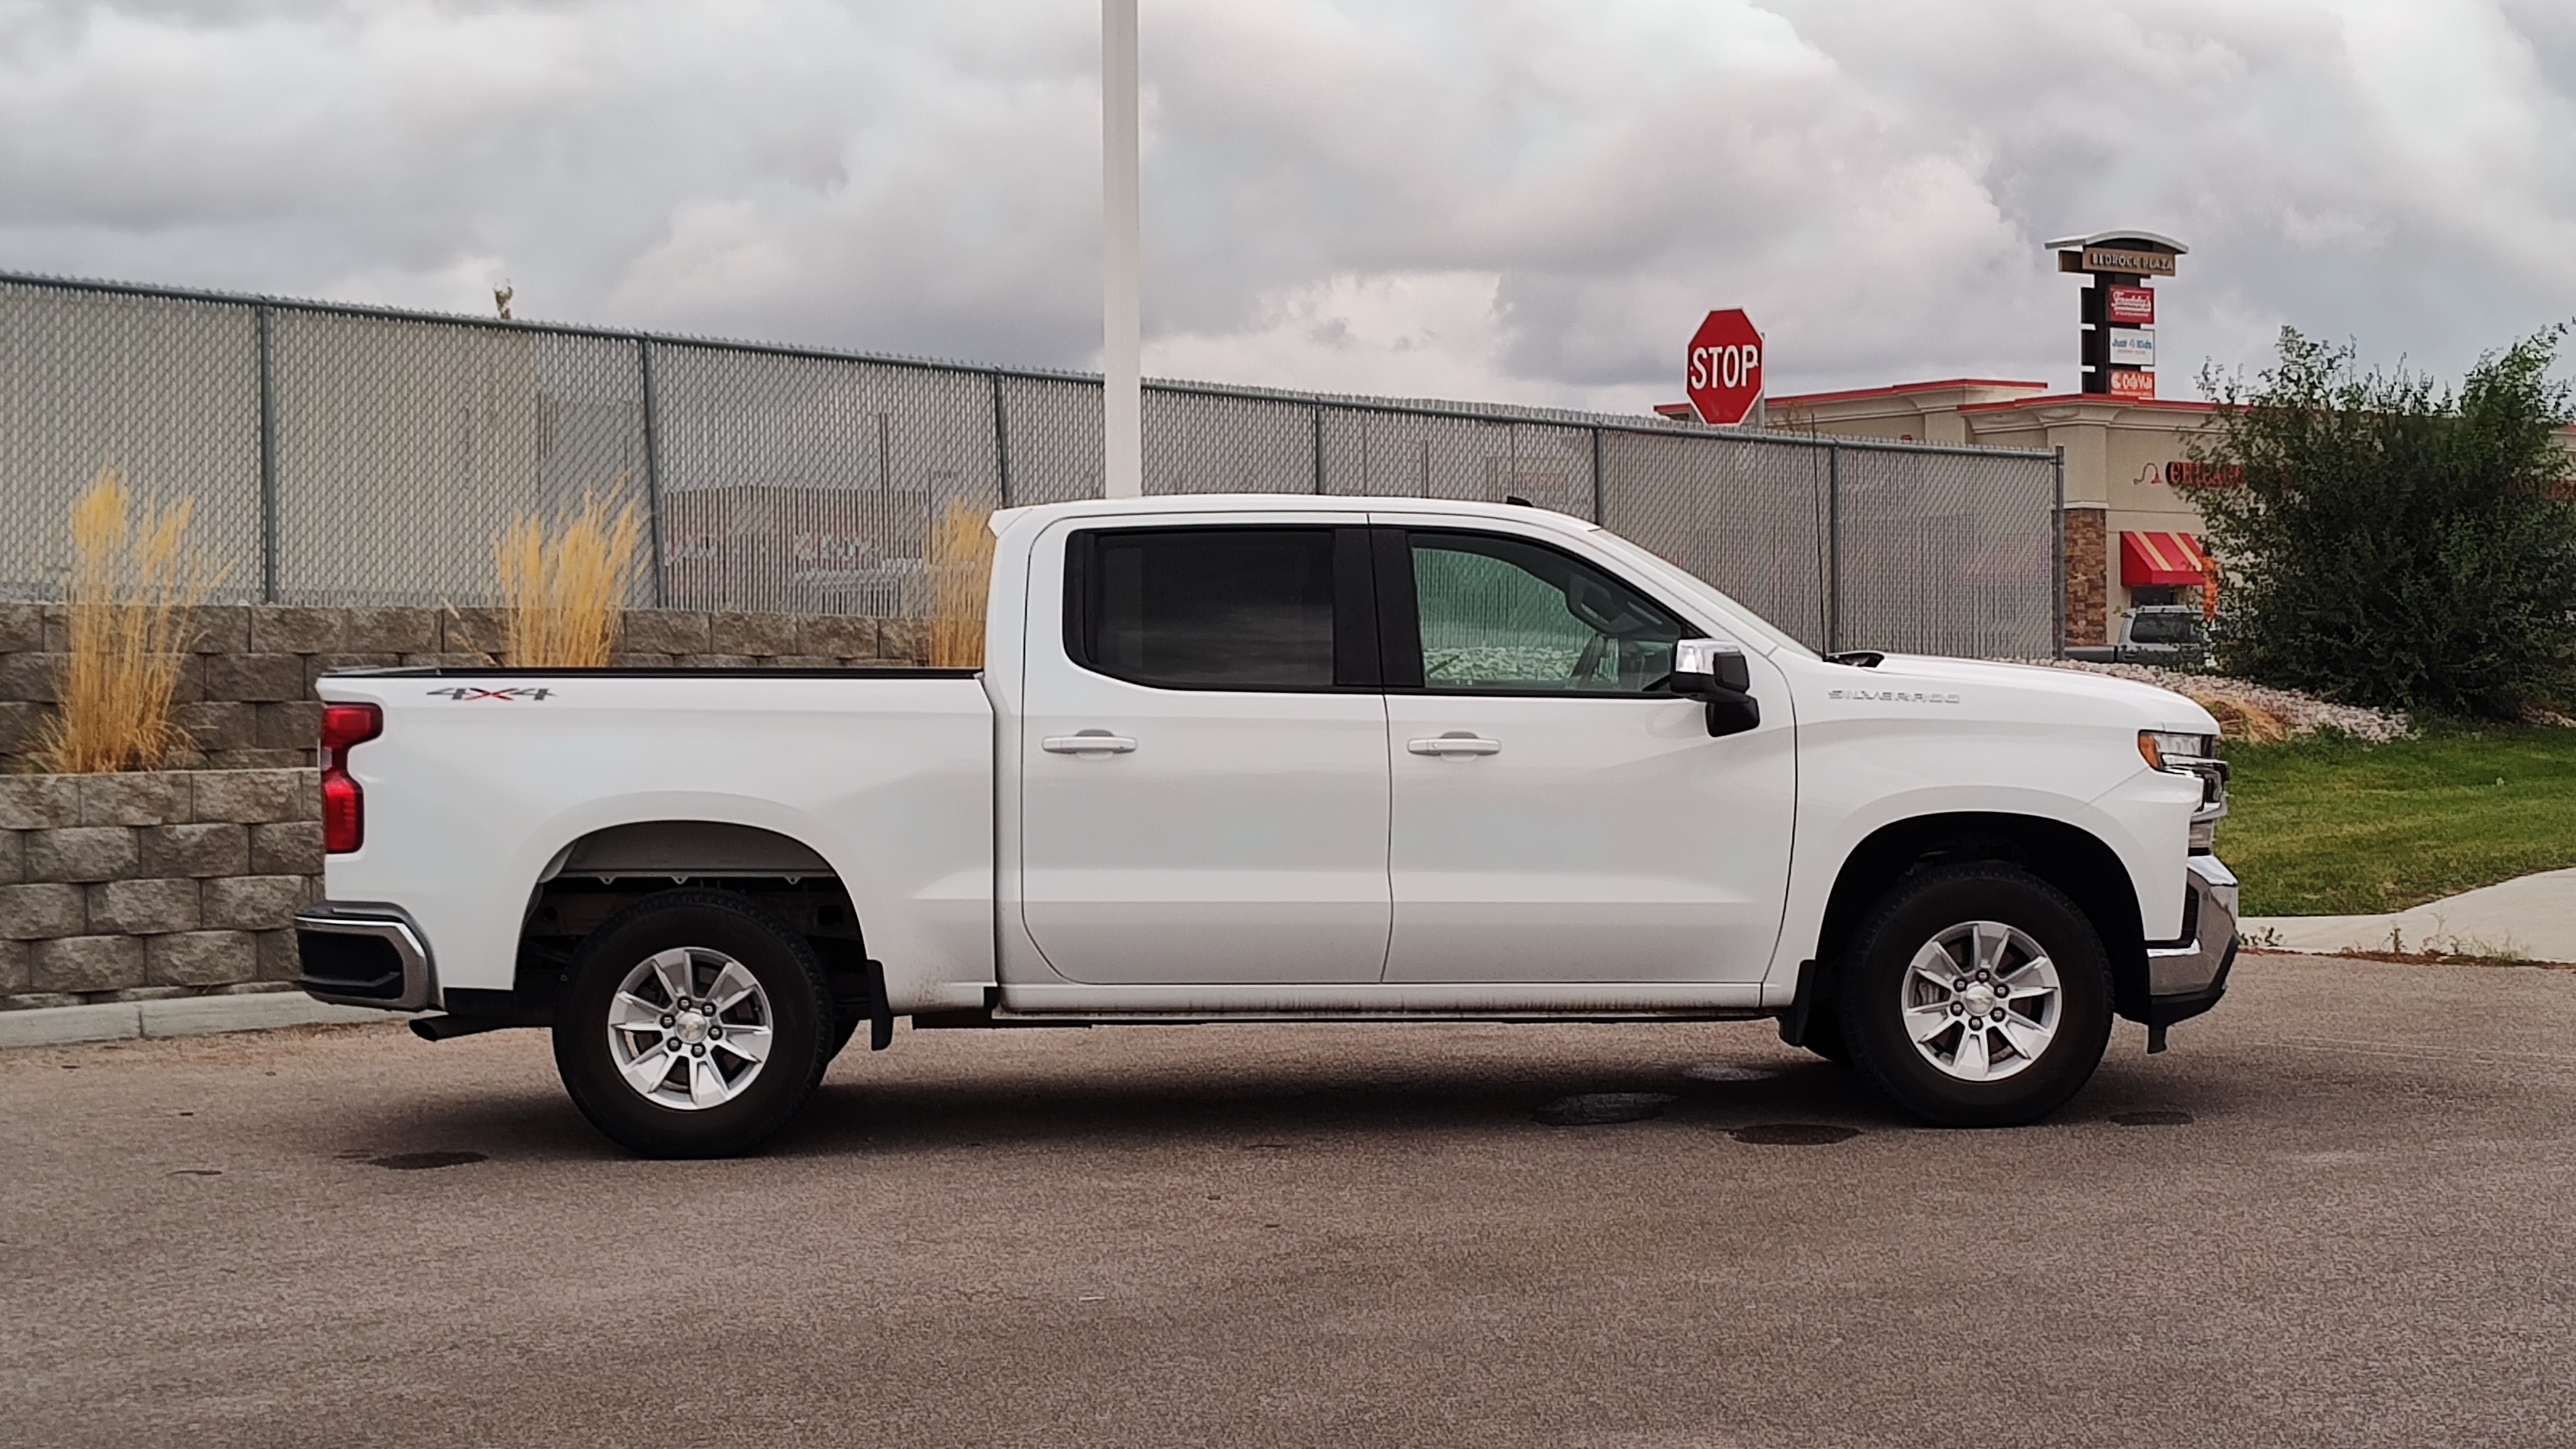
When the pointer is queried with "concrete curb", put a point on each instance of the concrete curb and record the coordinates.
(2531, 916)
(177, 1016)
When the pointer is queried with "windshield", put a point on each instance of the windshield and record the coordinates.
(2175, 628)
(1706, 593)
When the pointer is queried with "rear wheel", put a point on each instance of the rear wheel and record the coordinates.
(1977, 995)
(694, 1025)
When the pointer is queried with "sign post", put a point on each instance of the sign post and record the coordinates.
(1122, 420)
(1724, 368)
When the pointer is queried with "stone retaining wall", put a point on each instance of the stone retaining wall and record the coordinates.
(246, 695)
(142, 886)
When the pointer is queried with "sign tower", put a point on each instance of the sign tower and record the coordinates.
(2119, 316)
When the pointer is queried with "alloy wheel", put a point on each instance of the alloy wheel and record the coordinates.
(1981, 1001)
(689, 1028)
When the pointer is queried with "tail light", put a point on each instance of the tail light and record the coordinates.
(344, 806)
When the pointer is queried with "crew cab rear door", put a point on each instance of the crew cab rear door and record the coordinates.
(1558, 815)
(1203, 752)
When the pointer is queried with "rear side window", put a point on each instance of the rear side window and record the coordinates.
(1220, 608)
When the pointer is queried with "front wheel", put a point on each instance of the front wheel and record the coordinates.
(1977, 995)
(694, 1024)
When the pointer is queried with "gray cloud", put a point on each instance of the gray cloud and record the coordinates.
(1508, 198)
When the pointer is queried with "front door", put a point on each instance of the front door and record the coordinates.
(1203, 756)
(1558, 815)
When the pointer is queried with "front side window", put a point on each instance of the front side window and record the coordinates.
(1205, 608)
(1501, 614)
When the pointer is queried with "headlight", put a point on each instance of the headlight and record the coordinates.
(2166, 750)
(2181, 754)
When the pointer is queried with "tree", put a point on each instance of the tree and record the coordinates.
(2387, 543)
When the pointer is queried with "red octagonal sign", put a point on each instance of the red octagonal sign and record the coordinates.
(1725, 368)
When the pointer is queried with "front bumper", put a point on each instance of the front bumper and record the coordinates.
(2186, 977)
(364, 954)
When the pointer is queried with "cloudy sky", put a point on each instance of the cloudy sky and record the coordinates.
(1510, 199)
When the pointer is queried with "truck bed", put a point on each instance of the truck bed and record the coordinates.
(482, 779)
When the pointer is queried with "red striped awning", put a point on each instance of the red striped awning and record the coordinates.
(2163, 558)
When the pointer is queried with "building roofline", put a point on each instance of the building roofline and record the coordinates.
(1904, 388)
(2060, 399)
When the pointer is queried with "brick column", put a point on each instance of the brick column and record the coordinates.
(2088, 576)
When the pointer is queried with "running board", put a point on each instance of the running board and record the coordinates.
(1493, 1018)
(1384, 1001)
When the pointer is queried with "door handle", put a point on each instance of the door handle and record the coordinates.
(1456, 744)
(1088, 742)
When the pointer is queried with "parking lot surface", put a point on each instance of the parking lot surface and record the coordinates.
(2341, 1211)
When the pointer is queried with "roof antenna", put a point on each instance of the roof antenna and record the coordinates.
(1514, 498)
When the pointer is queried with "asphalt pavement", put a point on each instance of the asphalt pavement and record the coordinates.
(2341, 1211)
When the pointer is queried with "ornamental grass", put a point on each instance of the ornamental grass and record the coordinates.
(135, 578)
(960, 556)
(564, 589)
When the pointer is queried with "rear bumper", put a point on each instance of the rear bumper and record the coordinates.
(363, 953)
(2188, 976)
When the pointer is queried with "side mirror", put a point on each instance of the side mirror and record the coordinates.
(1715, 671)
(1702, 666)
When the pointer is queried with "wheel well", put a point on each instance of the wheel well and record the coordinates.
(604, 872)
(2073, 860)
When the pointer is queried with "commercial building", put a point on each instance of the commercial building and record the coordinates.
(2132, 531)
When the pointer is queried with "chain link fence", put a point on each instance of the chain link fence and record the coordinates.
(349, 455)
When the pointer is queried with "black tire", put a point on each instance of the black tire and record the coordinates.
(801, 1025)
(1871, 1005)
(843, 1028)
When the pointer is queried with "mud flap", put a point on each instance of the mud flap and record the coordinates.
(1802, 1006)
(880, 1012)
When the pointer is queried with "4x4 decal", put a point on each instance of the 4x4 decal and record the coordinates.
(461, 693)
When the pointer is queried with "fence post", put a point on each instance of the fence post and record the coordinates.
(1833, 548)
(267, 455)
(1600, 486)
(2057, 565)
(652, 469)
(1318, 412)
(1001, 446)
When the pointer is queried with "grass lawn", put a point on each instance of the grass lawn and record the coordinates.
(2331, 827)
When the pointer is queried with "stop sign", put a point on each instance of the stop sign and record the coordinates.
(1725, 368)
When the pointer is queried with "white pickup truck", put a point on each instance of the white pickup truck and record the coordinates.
(1279, 759)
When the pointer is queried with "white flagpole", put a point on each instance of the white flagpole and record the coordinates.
(1121, 333)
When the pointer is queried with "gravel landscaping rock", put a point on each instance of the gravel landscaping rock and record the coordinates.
(2255, 713)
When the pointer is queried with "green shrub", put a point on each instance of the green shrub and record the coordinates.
(2388, 543)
